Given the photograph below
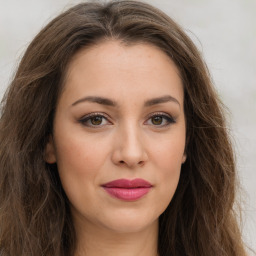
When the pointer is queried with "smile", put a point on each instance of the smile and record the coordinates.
(127, 190)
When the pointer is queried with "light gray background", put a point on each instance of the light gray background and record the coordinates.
(224, 30)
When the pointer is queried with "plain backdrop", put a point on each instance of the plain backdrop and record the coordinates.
(223, 30)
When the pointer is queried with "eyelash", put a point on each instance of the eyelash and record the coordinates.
(89, 117)
(168, 119)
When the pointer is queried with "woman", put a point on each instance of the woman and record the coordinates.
(113, 142)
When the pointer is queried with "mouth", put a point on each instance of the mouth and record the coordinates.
(128, 190)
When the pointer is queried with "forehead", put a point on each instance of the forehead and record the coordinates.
(112, 52)
(112, 67)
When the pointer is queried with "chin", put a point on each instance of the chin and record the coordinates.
(129, 222)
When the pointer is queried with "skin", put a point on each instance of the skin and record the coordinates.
(126, 143)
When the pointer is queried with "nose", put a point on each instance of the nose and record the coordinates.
(129, 149)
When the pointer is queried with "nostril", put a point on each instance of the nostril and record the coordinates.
(139, 163)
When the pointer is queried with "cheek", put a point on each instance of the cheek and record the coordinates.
(80, 161)
(80, 154)
(167, 159)
(168, 152)
(169, 165)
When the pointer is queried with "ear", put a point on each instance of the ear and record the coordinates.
(49, 153)
(184, 157)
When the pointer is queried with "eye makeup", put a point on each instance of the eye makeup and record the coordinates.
(98, 120)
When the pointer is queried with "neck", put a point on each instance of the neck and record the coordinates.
(97, 241)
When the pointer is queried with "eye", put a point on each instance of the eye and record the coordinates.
(160, 119)
(94, 120)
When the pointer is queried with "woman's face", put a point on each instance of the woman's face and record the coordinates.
(120, 116)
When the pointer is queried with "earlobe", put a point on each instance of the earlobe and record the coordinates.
(184, 157)
(50, 154)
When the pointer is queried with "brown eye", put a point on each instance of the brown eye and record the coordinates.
(160, 120)
(157, 120)
(96, 120)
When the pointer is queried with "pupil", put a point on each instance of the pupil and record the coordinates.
(157, 120)
(96, 120)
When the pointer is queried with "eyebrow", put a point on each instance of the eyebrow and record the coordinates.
(112, 103)
(95, 99)
(159, 100)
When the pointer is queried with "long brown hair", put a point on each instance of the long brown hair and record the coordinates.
(34, 212)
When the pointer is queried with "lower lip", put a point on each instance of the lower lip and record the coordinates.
(127, 194)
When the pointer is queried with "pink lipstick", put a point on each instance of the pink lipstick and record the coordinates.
(128, 190)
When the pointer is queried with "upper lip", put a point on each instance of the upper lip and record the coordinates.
(125, 183)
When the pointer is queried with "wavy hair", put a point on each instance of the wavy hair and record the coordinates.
(35, 217)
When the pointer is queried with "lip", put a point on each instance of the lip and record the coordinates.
(128, 190)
